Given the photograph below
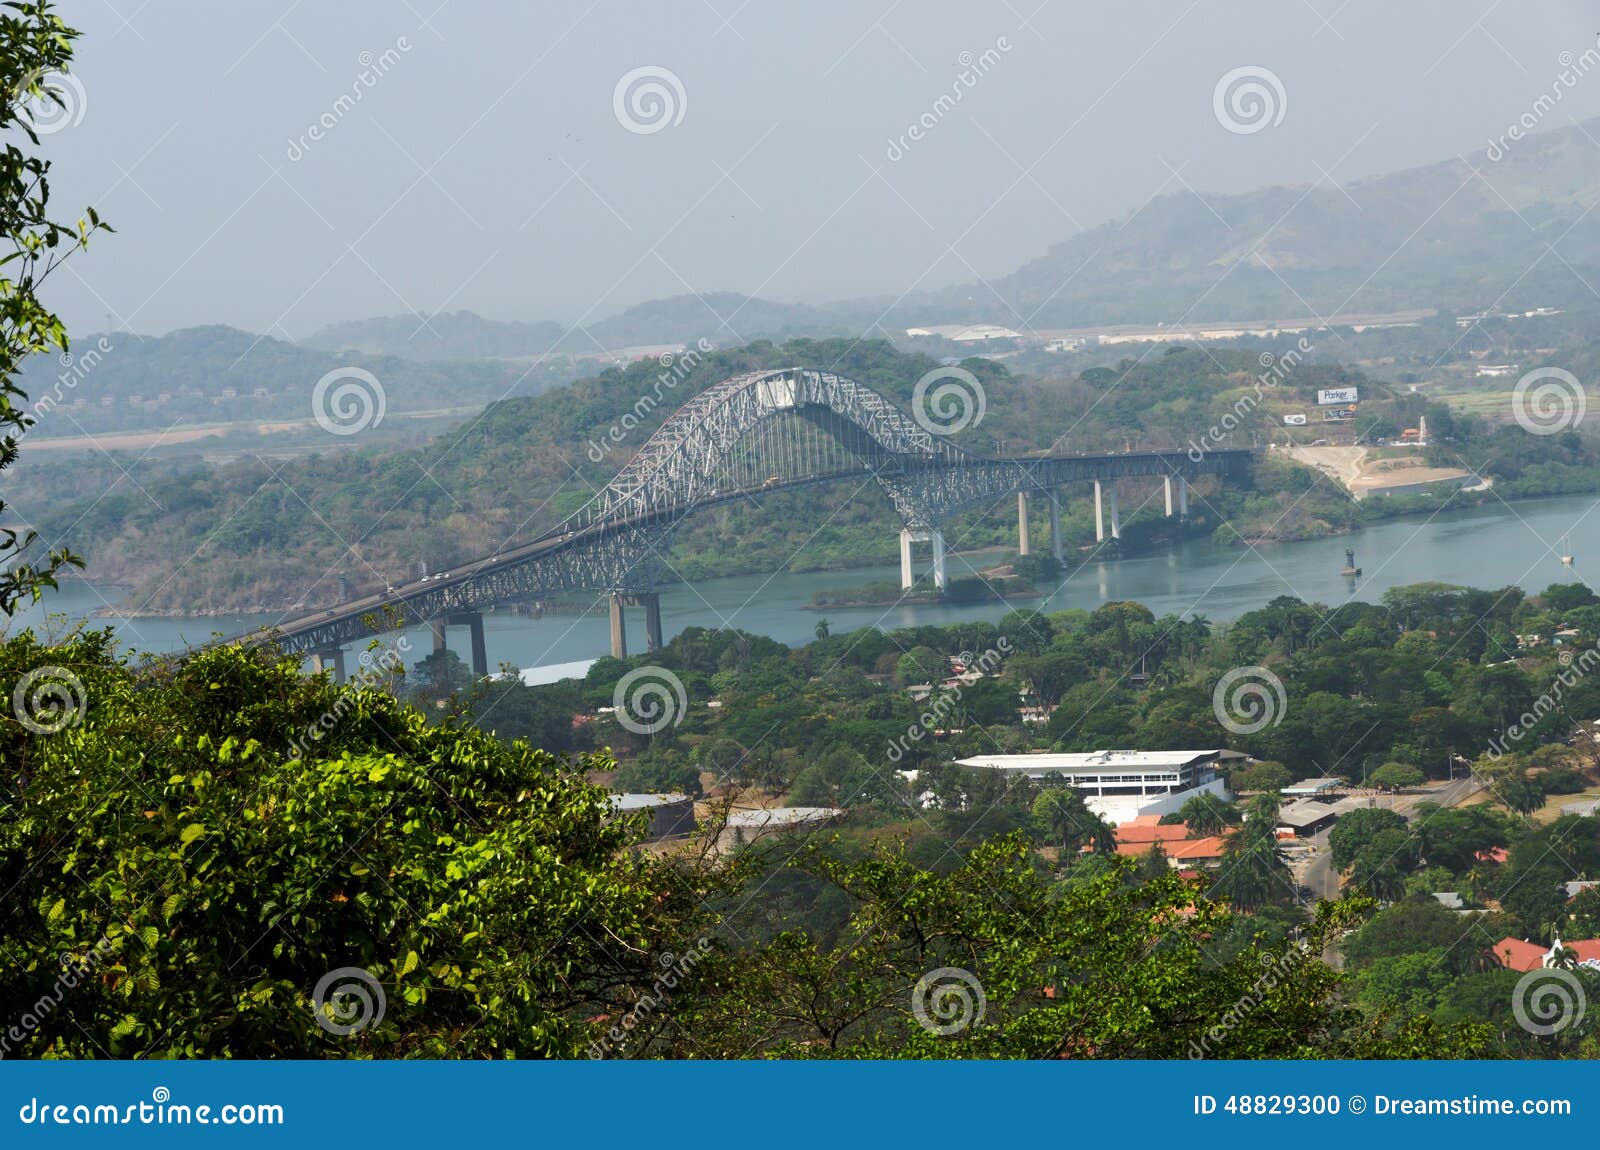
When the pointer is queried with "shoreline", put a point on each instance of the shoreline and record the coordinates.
(1460, 501)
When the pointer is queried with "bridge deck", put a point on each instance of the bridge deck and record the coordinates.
(484, 582)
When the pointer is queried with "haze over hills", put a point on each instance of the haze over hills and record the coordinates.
(722, 317)
(446, 335)
(119, 382)
(1456, 234)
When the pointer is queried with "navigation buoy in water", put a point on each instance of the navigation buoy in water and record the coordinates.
(1350, 569)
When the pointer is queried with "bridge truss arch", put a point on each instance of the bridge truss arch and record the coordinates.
(618, 540)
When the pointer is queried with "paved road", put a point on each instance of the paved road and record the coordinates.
(1316, 869)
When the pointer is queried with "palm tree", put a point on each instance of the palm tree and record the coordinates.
(822, 628)
(1253, 871)
(1068, 821)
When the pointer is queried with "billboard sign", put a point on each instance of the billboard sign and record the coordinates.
(1339, 413)
(1333, 395)
(1294, 420)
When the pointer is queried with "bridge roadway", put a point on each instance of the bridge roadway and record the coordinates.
(536, 569)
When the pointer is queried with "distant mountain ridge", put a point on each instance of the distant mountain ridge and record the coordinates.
(446, 335)
(118, 381)
(1454, 234)
(723, 318)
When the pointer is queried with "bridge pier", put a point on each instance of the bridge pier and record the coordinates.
(1024, 539)
(1055, 524)
(934, 537)
(480, 650)
(652, 621)
(1101, 493)
(332, 658)
(651, 602)
(1183, 499)
(1166, 485)
(473, 620)
(619, 628)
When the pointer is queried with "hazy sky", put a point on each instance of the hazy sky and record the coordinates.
(487, 168)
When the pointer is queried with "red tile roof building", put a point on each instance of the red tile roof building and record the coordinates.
(1520, 954)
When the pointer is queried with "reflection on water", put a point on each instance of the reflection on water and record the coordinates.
(1484, 547)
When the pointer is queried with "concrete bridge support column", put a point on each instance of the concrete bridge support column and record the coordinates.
(908, 575)
(1116, 523)
(619, 629)
(1055, 524)
(652, 620)
(1099, 515)
(1024, 540)
(438, 635)
(1166, 484)
(480, 652)
(331, 658)
(1183, 498)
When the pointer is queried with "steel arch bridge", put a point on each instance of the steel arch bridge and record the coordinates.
(756, 433)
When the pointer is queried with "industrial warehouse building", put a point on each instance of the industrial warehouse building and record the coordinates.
(1120, 786)
(1301, 820)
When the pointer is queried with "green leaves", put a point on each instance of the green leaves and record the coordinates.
(34, 45)
(434, 857)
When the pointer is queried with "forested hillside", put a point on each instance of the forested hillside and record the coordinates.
(242, 536)
(118, 381)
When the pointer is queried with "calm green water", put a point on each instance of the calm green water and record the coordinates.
(1486, 547)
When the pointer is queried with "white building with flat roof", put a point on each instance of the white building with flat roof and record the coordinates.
(1119, 786)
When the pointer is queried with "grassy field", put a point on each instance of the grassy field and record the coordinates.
(1551, 810)
(1493, 405)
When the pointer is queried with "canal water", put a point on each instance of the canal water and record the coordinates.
(1490, 546)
